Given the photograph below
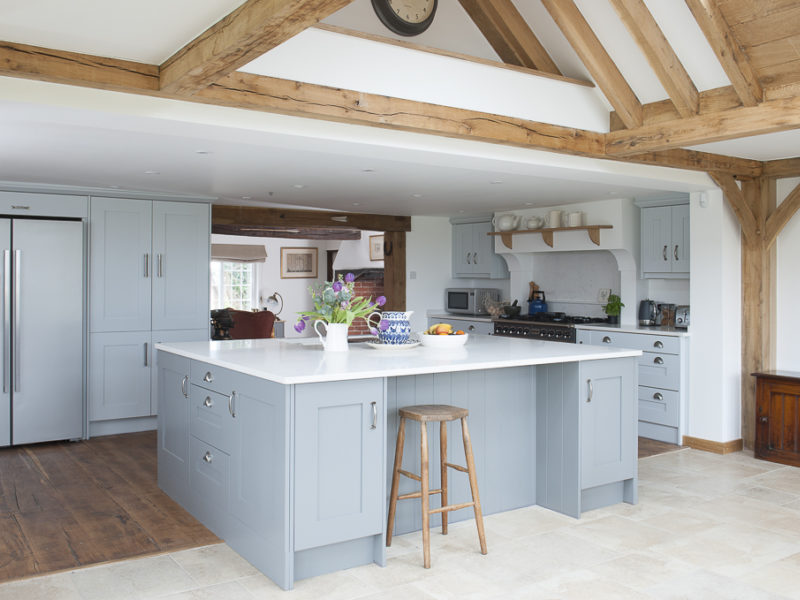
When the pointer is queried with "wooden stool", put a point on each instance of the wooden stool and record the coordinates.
(424, 413)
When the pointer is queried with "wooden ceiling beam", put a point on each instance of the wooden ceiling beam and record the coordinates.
(694, 160)
(781, 216)
(779, 169)
(724, 44)
(605, 73)
(767, 117)
(509, 35)
(300, 233)
(662, 58)
(240, 37)
(256, 216)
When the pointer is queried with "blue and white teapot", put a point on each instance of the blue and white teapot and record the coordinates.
(396, 329)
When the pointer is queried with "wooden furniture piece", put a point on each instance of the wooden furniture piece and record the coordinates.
(778, 417)
(232, 324)
(442, 414)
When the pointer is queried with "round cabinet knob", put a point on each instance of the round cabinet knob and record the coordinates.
(208, 457)
(207, 402)
(606, 339)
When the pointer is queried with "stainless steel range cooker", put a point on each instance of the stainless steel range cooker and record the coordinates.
(551, 326)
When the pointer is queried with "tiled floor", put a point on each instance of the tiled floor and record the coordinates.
(706, 527)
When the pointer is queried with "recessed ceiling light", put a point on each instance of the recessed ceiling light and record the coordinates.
(367, 170)
(495, 182)
(150, 172)
(298, 186)
(529, 204)
(416, 195)
(202, 151)
(356, 203)
(246, 197)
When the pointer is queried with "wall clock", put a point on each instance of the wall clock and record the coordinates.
(406, 17)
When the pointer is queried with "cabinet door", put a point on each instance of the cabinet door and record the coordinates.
(339, 457)
(180, 265)
(191, 335)
(778, 420)
(462, 250)
(680, 238)
(656, 239)
(119, 375)
(173, 426)
(119, 264)
(608, 421)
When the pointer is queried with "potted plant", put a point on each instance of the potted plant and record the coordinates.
(613, 308)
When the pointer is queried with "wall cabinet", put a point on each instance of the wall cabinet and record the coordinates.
(148, 269)
(665, 241)
(473, 251)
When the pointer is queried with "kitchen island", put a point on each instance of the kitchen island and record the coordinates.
(282, 449)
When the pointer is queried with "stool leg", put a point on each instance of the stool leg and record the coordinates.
(426, 532)
(443, 468)
(398, 461)
(473, 483)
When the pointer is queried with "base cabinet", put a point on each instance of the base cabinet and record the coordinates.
(778, 417)
(173, 426)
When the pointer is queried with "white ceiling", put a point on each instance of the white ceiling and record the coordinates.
(74, 136)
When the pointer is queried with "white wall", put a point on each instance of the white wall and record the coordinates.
(788, 286)
(715, 343)
(354, 254)
(294, 291)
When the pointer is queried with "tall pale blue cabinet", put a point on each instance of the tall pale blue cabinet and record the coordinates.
(148, 271)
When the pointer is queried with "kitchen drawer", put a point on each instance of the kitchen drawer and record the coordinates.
(212, 377)
(483, 327)
(660, 370)
(209, 471)
(210, 418)
(659, 406)
(665, 344)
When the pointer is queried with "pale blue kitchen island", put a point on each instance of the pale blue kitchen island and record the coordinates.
(282, 449)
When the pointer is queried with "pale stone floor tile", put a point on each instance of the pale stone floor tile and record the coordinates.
(581, 584)
(60, 586)
(682, 521)
(231, 590)
(754, 491)
(641, 570)
(227, 564)
(780, 577)
(621, 534)
(785, 479)
(404, 592)
(709, 586)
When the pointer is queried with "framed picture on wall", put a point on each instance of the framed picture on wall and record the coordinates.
(298, 263)
(376, 247)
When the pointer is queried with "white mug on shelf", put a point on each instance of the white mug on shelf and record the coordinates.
(575, 219)
(553, 218)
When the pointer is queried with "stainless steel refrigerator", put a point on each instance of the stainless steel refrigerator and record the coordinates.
(42, 322)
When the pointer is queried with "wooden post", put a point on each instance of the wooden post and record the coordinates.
(394, 270)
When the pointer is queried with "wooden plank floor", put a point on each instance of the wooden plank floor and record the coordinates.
(648, 447)
(71, 504)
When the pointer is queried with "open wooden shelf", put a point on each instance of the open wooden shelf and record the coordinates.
(547, 233)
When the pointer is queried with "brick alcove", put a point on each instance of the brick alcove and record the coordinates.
(368, 283)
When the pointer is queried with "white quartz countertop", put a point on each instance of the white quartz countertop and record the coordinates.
(652, 329)
(304, 361)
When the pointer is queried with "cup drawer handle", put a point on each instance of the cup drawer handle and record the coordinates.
(658, 396)
(208, 457)
(207, 402)
(658, 344)
(606, 339)
(658, 360)
(208, 377)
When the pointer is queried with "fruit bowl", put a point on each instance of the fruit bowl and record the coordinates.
(443, 341)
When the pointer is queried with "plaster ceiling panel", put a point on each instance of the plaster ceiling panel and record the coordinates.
(770, 146)
(689, 43)
(452, 29)
(148, 31)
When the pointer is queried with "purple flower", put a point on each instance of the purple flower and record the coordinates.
(300, 326)
(384, 324)
(349, 278)
(380, 300)
(343, 305)
(373, 331)
(371, 304)
(337, 286)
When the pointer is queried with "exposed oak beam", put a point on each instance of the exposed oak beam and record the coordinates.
(724, 44)
(782, 215)
(301, 233)
(695, 160)
(243, 90)
(605, 73)
(786, 167)
(768, 117)
(73, 68)
(243, 35)
(255, 216)
(660, 55)
(508, 34)
(744, 213)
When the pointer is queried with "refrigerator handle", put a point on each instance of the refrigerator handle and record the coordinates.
(6, 316)
(17, 264)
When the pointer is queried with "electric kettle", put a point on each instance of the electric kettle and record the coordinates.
(648, 311)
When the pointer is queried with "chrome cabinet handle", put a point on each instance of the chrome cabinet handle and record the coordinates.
(184, 381)
(160, 265)
(658, 360)
(232, 404)
(146, 265)
(591, 390)
(664, 253)
(675, 252)
(468, 262)
(6, 315)
(208, 377)
(374, 415)
(17, 311)
(606, 339)
(145, 354)
(658, 344)
(658, 396)
(474, 258)
(208, 457)
(207, 402)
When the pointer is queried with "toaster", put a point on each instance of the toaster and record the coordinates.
(682, 316)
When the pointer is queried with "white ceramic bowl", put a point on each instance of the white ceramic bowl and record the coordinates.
(443, 341)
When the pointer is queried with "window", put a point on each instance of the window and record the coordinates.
(233, 285)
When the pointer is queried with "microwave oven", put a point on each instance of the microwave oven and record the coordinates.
(469, 301)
